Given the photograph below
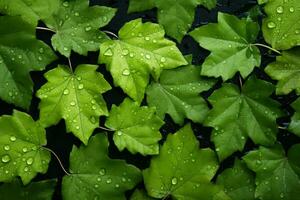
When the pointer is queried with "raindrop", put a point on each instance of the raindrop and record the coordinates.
(108, 52)
(24, 149)
(108, 181)
(174, 181)
(292, 9)
(148, 56)
(73, 103)
(5, 159)
(126, 72)
(76, 14)
(162, 59)
(26, 169)
(271, 25)
(13, 138)
(65, 4)
(119, 133)
(66, 91)
(80, 86)
(102, 172)
(279, 9)
(6, 148)
(29, 161)
(125, 52)
(88, 28)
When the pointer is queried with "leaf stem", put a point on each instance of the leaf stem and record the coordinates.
(241, 81)
(106, 129)
(59, 161)
(70, 64)
(111, 33)
(45, 29)
(267, 47)
(282, 128)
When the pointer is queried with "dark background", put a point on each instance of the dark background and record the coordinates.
(61, 142)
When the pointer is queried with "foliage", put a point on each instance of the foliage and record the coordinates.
(188, 102)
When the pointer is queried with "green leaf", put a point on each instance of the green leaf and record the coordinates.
(230, 42)
(177, 94)
(95, 175)
(140, 51)
(286, 70)
(140, 195)
(31, 11)
(281, 27)
(295, 121)
(182, 170)
(137, 128)
(42, 190)
(139, 6)
(75, 97)
(20, 53)
(76, 26)
(237, 115)
(275, 177)
(21, 152)
(176, 16)
(238, 182)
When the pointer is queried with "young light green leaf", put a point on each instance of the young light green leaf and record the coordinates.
(182, 170)
(31, 11)
(237, 115)
(20, 53)
(42, 190)
(177, 94)
(286, 70)
(21, 152)
(176, 16)
(281, 27)
(76, 26)
(238, 182)
(74, 97)
(140, 195)
(95, 175)
(275, 177)
(230, 42)
(136, 128)
(140, 51)
(295, 121)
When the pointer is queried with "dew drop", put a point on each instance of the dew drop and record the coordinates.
(76, 14)
(6, 148)
(80, 86)
(88, 28)
(108, 52)
(73, 103)
(162, 59)
(292, 9)
(271, 25)
(66, 91)
(26, 169)
(279, 9)
(119, 133)
(13, 138)
(65, 4)
(29, 161)
(24, 149)
(5, 158)
(102, 172)
(108, 181)
(126, 72)
(174, 181)
(125, 52)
